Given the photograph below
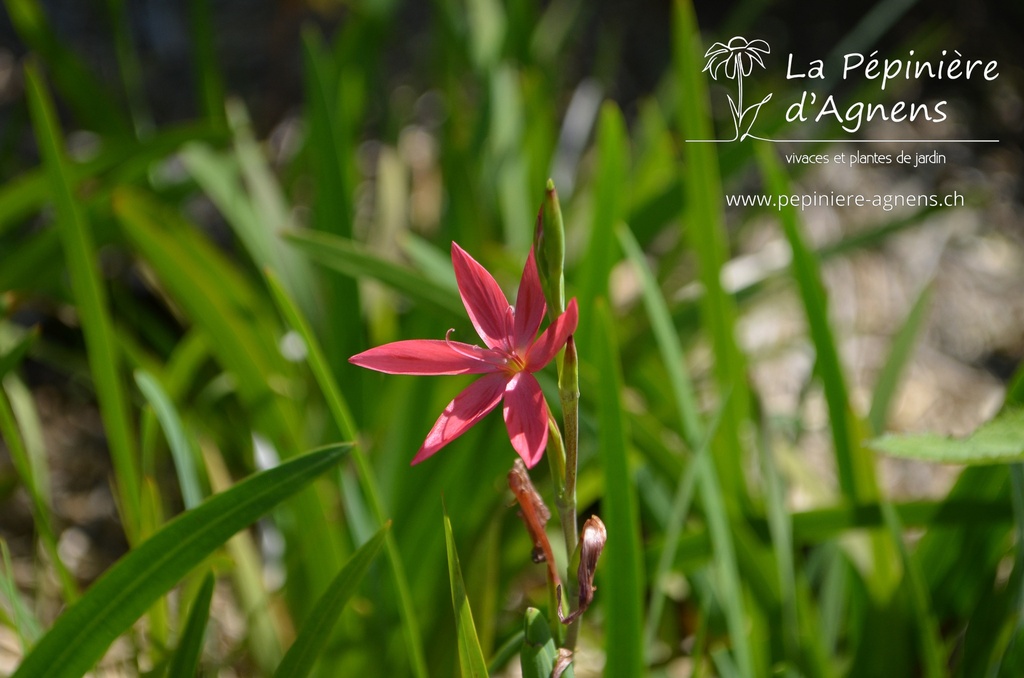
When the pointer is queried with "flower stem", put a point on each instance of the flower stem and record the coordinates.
(569, 394)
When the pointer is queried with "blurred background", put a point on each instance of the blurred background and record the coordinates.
(398, 127)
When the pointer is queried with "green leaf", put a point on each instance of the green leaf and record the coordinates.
(700, 468)
(999, 441)
(342, 415)
(177, 440)
(209, 80)
(92, 102)
(355, 260)
(331, 105)
(537, 658)
(855, 469)
(33, 478)
(92, 303)
(900, 353)
(12, 358)
(117, 161)
(214, 294)
(471, 656)
(24, 621)
(316, 630)
(610, 201)
(621, 567)
(704, 220)
(185, 660)
(83, 633)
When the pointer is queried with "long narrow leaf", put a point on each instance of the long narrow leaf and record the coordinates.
(342, 415)
(185, 660)
(82, 634)
(25, 624)
(899, 355)
(11, 359)
(471, 657)
(700, 468)
(316, 630)
(177, 440)
(706, 234)
(620, 569)
(19, 453)
(352, 259)
(93, 306)
(856, 472)
(117, 161)
(609, 206)
(91, 101)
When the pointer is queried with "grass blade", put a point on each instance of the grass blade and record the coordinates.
(471, 657)
(266, 629)
(855, 468)
(668, 341)
(117, 161)
(12, 358)
(330, 149)
(181, 451)
(705, 231)
(93, 306)
(609, 206)
(25, 624)
(621, 567)
(185, 661)
(899, 355)
(82, 634)
(208, 75)
(701, 469)
(316, 630)
(925, 621)
(342, 415)
(354, 260)
(20, 457)
(92, 102)
(677, 516)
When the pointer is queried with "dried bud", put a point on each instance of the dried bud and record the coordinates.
(534, 514)
(592, 541)
(562, 662)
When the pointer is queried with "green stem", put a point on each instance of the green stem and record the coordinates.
(556, 460)
(569, 394)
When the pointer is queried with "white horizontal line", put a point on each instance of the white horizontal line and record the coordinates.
(854, 141)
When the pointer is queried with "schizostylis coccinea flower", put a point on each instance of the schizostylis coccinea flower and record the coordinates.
(513, 353)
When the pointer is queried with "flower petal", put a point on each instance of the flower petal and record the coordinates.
(428, 356)
(469, 407)
(530, 305)
(484, 301)
(526, 417)
(553, 339)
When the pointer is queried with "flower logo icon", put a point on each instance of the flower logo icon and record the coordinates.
(736, 60)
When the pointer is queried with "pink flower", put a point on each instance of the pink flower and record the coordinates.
(514, 352)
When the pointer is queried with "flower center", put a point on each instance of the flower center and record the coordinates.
(514, 364)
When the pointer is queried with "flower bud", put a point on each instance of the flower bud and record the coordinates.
(549, 250)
